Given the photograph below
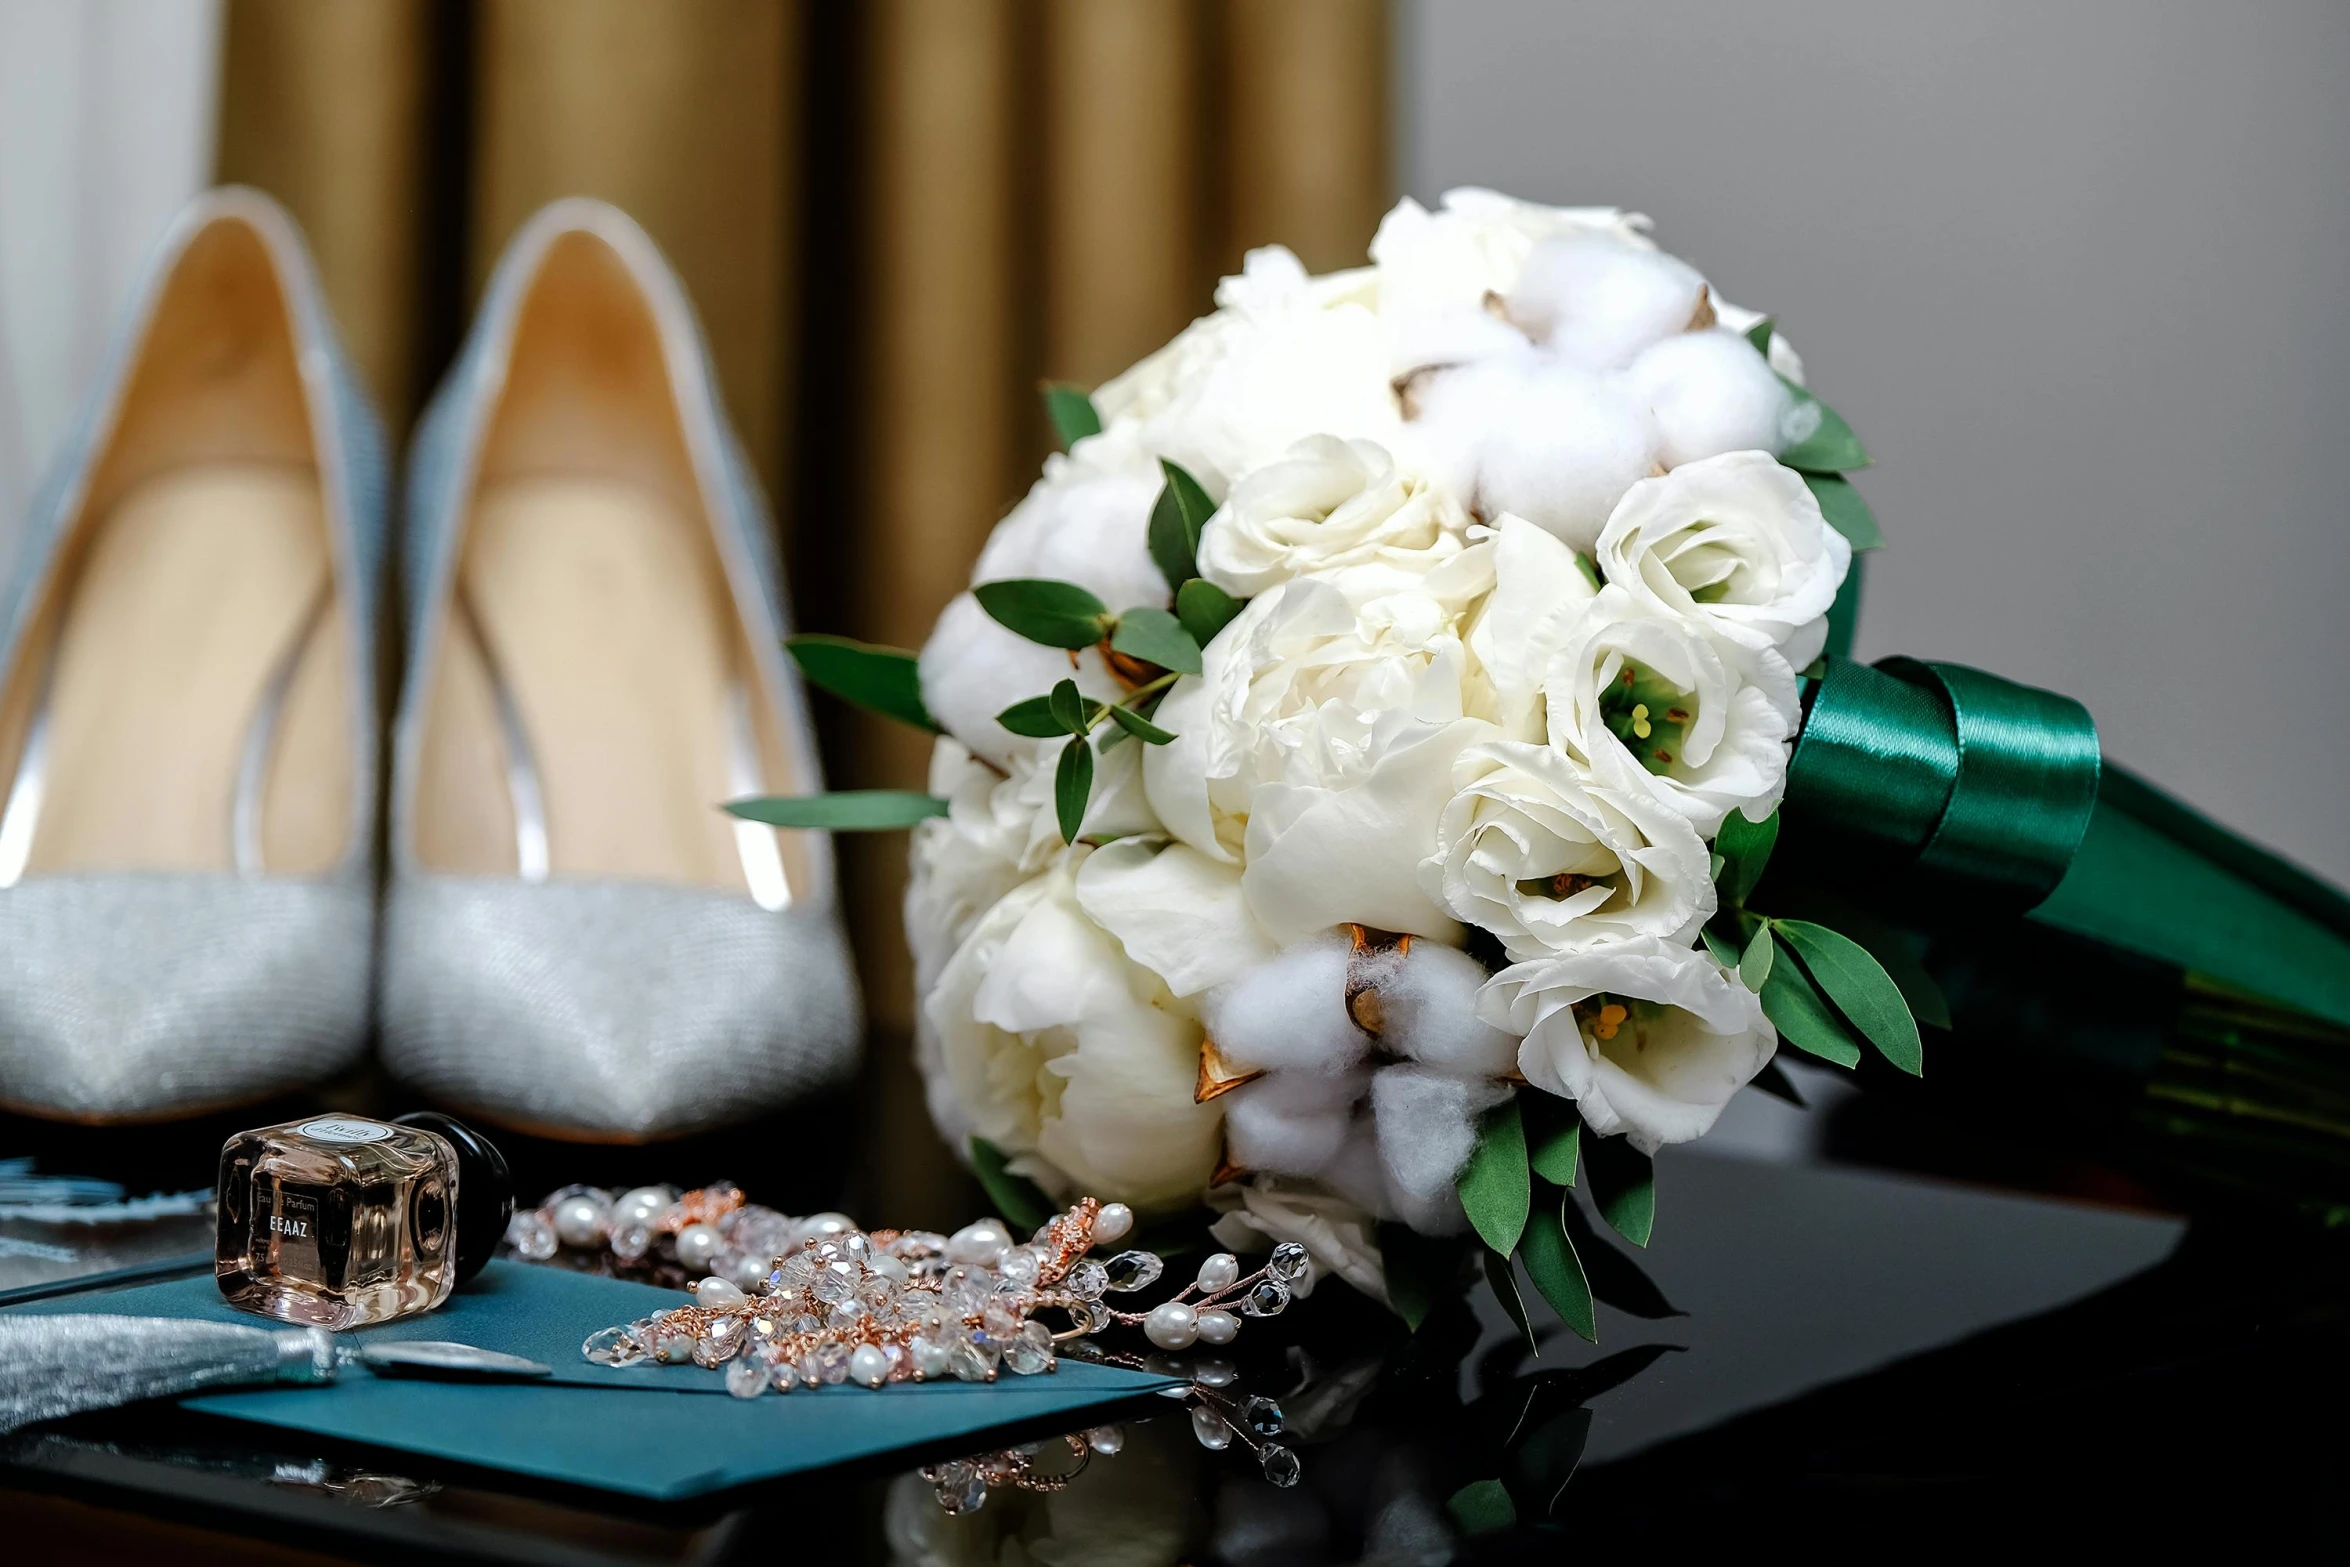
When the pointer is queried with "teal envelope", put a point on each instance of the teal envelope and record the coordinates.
(659, 1432)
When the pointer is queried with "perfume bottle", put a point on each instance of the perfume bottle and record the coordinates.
(343, 1220)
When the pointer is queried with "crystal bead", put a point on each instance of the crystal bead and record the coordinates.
(1089, 1278)
(1209, 1427)
(1261, 1415)
(1134, 1270)
(1265, 1298)
(1000, 1319)
(966, 1363)
(630, 1242)
(782, 1375)
(961, 1488)
(932, 1357)
(1280, 1465)
(836, 1282)
(826, 1363)
(746, 1378)
(1289, 1263)
(1029, 1352)
(856, 1247)
(1089, 1316)
(718, 1342)
(1106, 1440)
(967, 1291)
(532, 1236)
(1020, 1265)
(879, 1295)
(614, 1346)
(796, 1272)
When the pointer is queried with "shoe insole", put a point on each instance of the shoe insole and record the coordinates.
(607, 638)
(191, 594)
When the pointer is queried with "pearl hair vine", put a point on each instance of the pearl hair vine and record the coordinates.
(830, 1303)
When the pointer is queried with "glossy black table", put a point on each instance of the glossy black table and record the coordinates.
(1863, 1362)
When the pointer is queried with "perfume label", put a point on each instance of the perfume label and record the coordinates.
(289, 1232)
(345, 1129)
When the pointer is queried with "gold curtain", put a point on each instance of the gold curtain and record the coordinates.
(896, 219)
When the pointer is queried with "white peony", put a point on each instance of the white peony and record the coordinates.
(1734, 542)
(1177, 912)
(1635, 686)
(1068, 1057)
(1338, 1237)
(1547, 856)
(1650, 1040)
(1327, 503)
(1317, 746)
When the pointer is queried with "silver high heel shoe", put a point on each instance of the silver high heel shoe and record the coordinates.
(577, 941)
(187, 702)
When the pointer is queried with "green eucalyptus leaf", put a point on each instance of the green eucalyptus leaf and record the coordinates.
(1156, 637)
(1072, 786)
(1754, 964)
(1141, 728)
(1831, 447)
(847, 810)
(1623, 1184)
(1204, 609)
(1033, 718)
(1554, 1135)
(1070, 709)
(1745, 848)
(1557, 1272)
(1504, 1282)
(1861, 989)
(1057, 614)
(1846, 512)
(1494, 1186)
(881, 679)
(1482, 1507)
(1616, 1278)
(1803, 1017)
(1759, 335)
(1543, 1463)
(1423, 1271)
(1889, 945)
(1072, 412)
(1725, 952)
(1016, 1197)
(1590, 569)
(1177, 517)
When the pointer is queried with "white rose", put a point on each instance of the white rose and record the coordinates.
(1071, 1059)
(1319, 740)
(1707, 719)
(1540, 592)
(1736, 542)
(1327, 503)
(1548, 856)
(1649, 1040)
(1338, 1237)
(1284, 357)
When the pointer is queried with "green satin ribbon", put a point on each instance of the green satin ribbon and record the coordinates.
(1976, 790)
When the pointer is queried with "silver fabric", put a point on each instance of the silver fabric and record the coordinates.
(605, 1010)
(132, 996)
(608, 1009)
(51, 1366)
(126, 996)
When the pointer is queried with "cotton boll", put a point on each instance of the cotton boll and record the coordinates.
(1557, 445)
(1087, 523)
(972, 669)
(1429, 1012)
(1289, 1012)
(1598, 302)
(1428, 1127)
(1291, 1123)
(1707, 393)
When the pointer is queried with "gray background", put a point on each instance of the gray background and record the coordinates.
(2075, 274)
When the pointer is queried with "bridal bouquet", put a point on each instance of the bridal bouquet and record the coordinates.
(1360, 752)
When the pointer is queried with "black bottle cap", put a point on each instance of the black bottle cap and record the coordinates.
(485, 1189)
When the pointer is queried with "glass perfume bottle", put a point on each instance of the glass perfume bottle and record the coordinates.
(343, 1220)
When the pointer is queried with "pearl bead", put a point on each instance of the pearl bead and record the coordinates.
(1218, 1327)
(887, 1266)
(824, 1226)
(1171, 1325)
(1219, 1272)
(718, 1293)
(641, 1206)
(980, 1244)
(869, 1365)
(1106, 1440)
(931, 1357)
(579, 1221)
(676, 1349)
(697, 1244)
(1113, 1222)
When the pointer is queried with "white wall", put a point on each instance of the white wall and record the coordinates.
(2076, 273)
